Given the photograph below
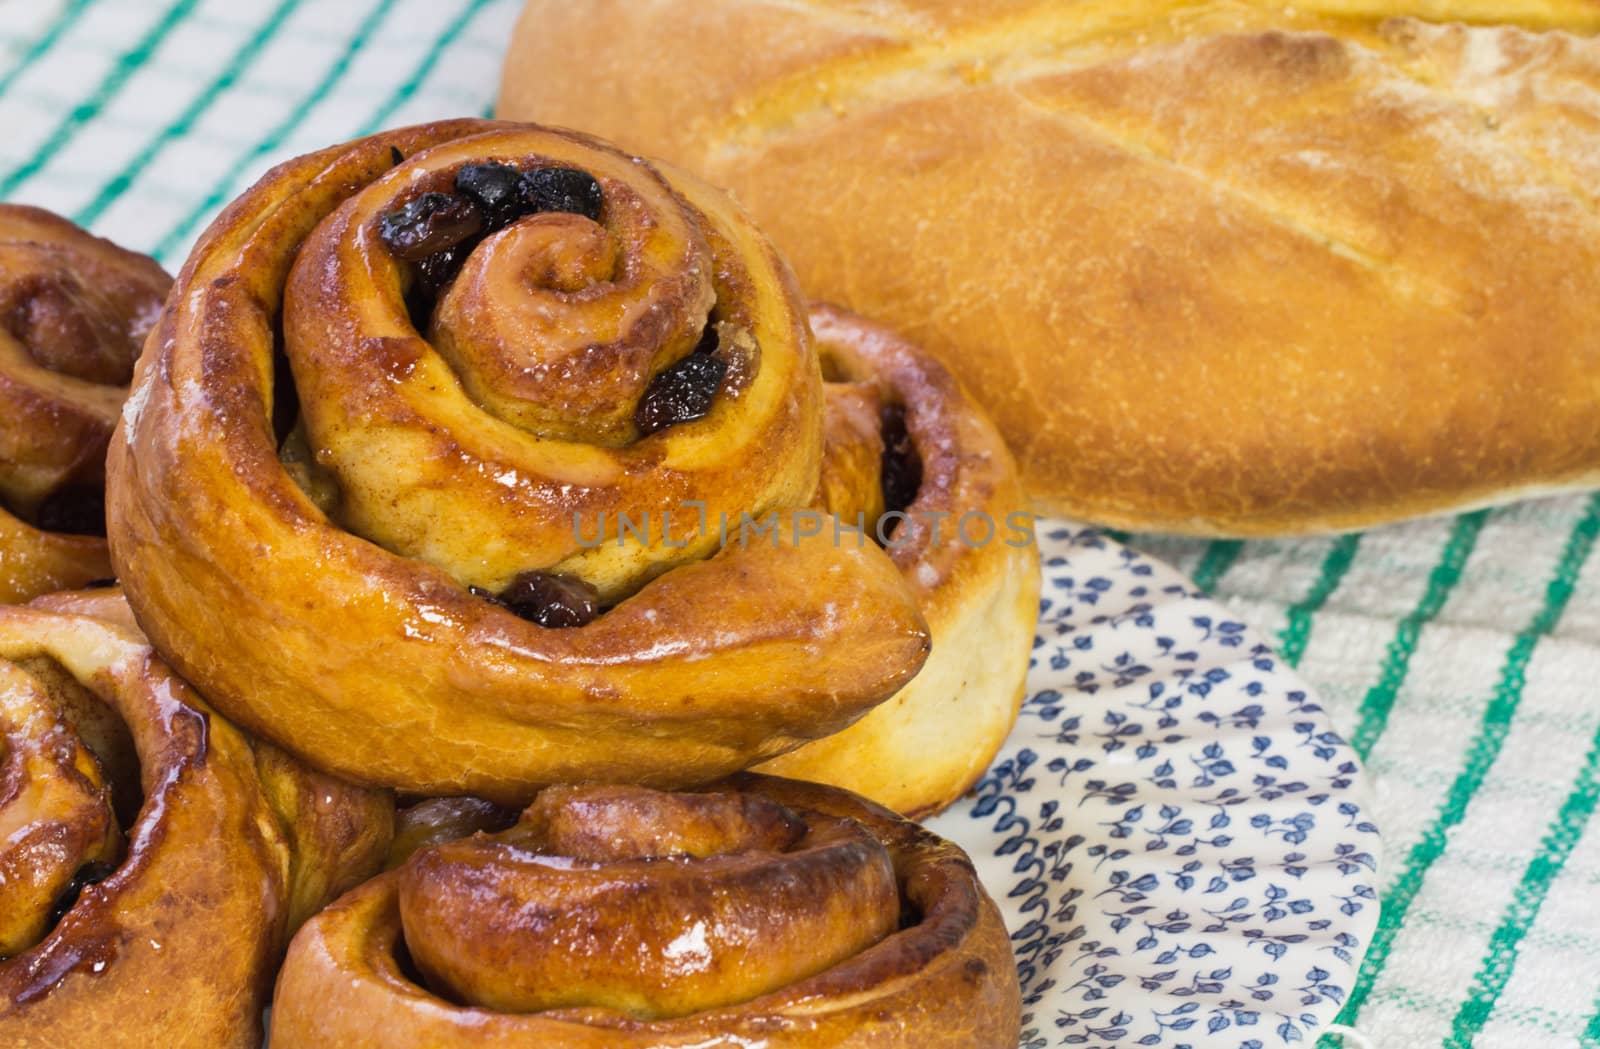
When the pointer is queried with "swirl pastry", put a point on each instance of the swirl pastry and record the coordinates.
(152, 862)
(766, 913)
(74, 311)
(906, 447)
(484, 525)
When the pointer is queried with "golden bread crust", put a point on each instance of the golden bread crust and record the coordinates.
(1214, 268)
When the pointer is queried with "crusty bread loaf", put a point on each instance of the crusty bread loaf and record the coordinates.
(1221, 268)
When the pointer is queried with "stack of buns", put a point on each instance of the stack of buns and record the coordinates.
(471, 467)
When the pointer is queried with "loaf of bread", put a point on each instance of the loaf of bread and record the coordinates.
(1214, 267)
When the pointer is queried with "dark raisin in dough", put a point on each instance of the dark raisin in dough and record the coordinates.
(79, 510)
(682, 393)
(496, 189)
(88, 874)
(429, 224)
(709, 340)
(563, 189)
(439, 269)
(901, 472)
(552, 600)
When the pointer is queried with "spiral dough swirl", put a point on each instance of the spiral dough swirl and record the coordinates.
(74, 311)
(765, 912)
(423, 399)
(153, 862)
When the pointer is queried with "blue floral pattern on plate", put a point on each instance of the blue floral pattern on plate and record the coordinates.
(1178, 838)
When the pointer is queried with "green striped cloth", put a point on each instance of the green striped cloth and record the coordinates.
(1462, 656)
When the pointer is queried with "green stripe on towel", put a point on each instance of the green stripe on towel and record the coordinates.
(1219, 557)
(1379, 701)
(1485, 748)
(47, 40)
(86, 112)
(1296, 633)
(1504, 946)
(380, 119)
(204, 99)
(177, 236)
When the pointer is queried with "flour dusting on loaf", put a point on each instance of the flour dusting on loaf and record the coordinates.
(1215, 267)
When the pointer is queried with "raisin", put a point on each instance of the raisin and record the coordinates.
(78, 510)
(496, 189)
(285, 395)
(436, 271)
(546, 598)
(901, 471)
(563, 189)
(709, 340)
(429, 224)
(682, 393)
(87, 875)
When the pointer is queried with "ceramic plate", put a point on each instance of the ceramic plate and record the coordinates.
(1180, 841)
